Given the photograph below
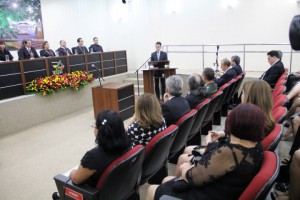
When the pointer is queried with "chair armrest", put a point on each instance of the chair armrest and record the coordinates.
(167, 197)
(68, 190)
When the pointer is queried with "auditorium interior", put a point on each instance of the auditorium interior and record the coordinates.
(42, 136)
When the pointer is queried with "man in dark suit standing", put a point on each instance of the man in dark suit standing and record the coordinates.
(159, 55)
(26, 51)
(235, 63)
(80, 49)
(228, 74)
(95, 47)
(63, 50)
(272, 75)
(174, 106)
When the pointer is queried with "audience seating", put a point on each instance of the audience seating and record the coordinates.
(157, 151)
(278, 90)
(217, 113)
(280, 100)
(118, 181)
(262, 183)
(279, 114)
(271, 141)
(194, 137)
(232, 85)
(207, 124)
(184, 124)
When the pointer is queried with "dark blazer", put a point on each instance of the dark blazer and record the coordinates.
(63, 52)
(24, 54)
(272, 75)
(174, 108)
(238, 69)
(4, 53)
(194, 100)
(48, 53)
(162, 56)
(96, 48)
(80, 50)
(226, 77)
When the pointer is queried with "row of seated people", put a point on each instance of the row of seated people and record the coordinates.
(148, 119)
(27, 51)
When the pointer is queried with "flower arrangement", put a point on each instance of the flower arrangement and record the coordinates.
(50, 84)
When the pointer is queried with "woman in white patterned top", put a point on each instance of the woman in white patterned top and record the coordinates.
(147, 120)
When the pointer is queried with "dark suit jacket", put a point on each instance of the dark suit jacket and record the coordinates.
(194, 100)
(272, 75)
(80, 50)
(63, 52)
(48, 53)
(226, 77)
(162, 56)
(175, 108)
(24, 54)
(238, 69)
(96, 48)
(4, 53)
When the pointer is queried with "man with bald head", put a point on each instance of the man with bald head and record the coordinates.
(63, 50)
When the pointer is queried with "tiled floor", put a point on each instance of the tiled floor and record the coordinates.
(31, 158)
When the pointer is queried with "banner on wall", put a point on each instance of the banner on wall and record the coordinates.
(19, 20)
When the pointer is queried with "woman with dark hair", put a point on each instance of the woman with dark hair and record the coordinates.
(46, 52)
(5, 55)
(197, 92)
(111, 141)
(226, 167)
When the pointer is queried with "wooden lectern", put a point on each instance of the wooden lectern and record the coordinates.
(148, 77)
(114, 96)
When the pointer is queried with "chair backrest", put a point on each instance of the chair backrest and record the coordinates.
(271, 141)
(157, 151)
(280, 89)
(184, 124)
(231, 90)
(225, 89)
(262, 183)
(280, 100)
(201, 112)
(279, 114)
(120, 178)
(73, 50)
(212, 107)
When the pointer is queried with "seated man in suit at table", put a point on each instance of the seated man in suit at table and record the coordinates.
(63, 50)
(272, 75)
(174, 106)
(95, 47)
(27, 51)
(228, 74)
(159, 55)
(4, 53)
(80, 49)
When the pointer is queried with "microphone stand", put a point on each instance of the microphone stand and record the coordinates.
(217, 55)
(99, 73)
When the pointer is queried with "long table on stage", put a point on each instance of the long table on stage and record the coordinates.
(15, 75)
(148, 77)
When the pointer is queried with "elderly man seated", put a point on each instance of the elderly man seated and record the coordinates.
(174, 106)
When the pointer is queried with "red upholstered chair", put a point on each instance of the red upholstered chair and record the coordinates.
(157, 151)
(279, 114)
(184, 124)
(217, 112)
(271, 141)
(118, 181)
(262, 183)
(280, 89)
(207, 121)
(201, 111)
(280, 100)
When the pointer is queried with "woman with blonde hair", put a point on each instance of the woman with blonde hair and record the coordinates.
(259, 93)
(147, 120)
